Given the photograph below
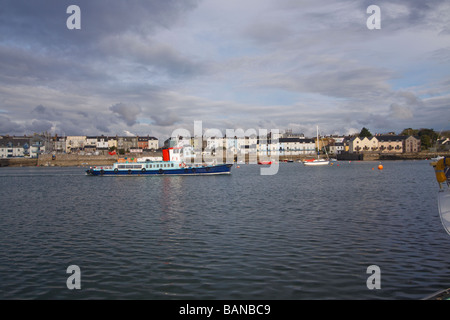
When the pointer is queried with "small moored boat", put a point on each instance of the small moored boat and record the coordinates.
(318, 161)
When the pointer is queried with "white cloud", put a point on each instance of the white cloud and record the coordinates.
(152, 66)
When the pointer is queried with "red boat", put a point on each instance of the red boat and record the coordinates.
(264, 162)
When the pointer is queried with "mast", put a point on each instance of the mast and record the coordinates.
(318, 143)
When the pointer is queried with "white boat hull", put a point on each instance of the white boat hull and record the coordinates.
(444, 208)
(317, 163)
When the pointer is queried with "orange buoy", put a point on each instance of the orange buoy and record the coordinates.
(380, 167)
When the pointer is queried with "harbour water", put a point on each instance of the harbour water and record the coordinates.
(304, 233)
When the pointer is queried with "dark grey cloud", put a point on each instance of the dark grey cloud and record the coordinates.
(340, 81)
(36, 46)
(165, 119)
(43, 22)
(8, 126)
(154, 57)
(267, 32)
(398, 111)
(40, 126)
(127, 113)
(42, 112)
(353, 83)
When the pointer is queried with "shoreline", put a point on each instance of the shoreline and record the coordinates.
(71, 160)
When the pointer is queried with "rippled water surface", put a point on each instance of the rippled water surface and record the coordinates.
(304, 233)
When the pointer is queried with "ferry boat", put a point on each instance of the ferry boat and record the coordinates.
(172, 163)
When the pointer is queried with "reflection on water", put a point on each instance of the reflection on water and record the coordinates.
(304, 233)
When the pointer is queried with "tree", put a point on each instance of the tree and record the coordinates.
(365, 133)
(409, 132)
(427, 138)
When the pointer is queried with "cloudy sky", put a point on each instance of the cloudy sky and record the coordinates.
(150, 67)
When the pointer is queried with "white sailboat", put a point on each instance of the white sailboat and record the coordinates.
(442, 171)
(318, 161)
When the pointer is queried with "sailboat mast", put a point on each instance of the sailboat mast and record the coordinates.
(318, 143)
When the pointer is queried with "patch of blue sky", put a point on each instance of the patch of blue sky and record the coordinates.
(419, 76)
(145, 121)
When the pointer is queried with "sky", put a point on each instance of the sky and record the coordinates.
(152, 67)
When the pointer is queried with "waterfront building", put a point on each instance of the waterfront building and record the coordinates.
(59, 144)
(337, 148)
(153, 143)
(148, 143)
(102, 143)
(91, 142)
(112, 143)
(358, 145)
(296, 146)
(390, 143)
(411, 144)
(75, 143)
(11, 147)
(127, 143)
(286, 146)
(40, 144)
